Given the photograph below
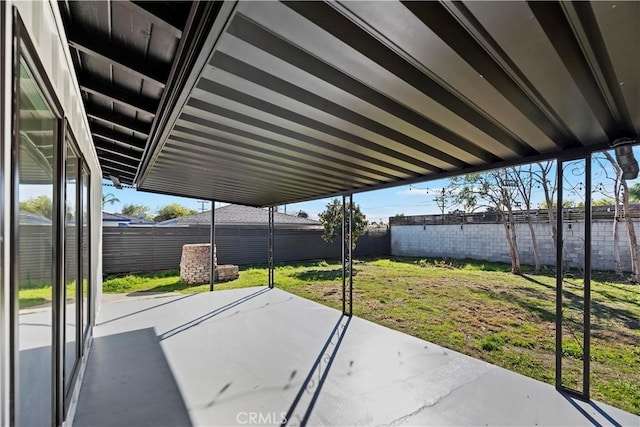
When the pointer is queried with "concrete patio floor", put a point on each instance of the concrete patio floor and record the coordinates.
(257, 356)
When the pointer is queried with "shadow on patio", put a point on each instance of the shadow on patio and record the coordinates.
(255, 356)
(129, 382)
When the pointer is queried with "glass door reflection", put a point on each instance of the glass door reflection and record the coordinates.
(71, 264)
(35, 275)
(85, 252)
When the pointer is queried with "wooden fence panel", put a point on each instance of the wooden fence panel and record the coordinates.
(144, 249)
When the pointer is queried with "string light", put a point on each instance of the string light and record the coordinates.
(129, 187)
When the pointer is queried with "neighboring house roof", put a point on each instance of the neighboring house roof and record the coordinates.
(28, 218)
(137, 219)
(238, 214)
(122, 218)
(106, 216)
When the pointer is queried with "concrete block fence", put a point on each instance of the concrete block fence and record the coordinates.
(488, 242)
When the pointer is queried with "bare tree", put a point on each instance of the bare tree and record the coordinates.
(498, 192)
(633, 240)
(542, 176)
(615, 196)
(524, 180)
(621, 191)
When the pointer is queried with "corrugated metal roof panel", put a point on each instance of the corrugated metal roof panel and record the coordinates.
(301, 100)
(277, 102)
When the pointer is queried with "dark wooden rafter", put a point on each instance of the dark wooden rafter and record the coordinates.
(110, 117)
(116, 171)
(120, 160)
(98, 137)
(109, 147)
(128, 141)
(201, 29)
(116, 163)
(155, 73)
(120, 134)
(121, 96)
(168, 16)
(124, 177)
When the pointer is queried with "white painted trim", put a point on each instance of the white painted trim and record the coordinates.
(5, 167)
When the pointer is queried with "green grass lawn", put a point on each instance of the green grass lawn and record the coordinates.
(479, 309)
(37, 295)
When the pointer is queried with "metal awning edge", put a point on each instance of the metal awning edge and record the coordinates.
(205, 25)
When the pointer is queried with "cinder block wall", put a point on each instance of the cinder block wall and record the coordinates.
(488, 242)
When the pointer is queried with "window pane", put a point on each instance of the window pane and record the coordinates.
(37, 127)
(85, 250)
(71, 263)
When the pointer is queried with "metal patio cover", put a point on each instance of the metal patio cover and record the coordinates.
(276, 102)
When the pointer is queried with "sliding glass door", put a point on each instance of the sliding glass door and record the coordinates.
(34, 160)
(76, 260)
(49, 246)
(71, 264)
(85, 244)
